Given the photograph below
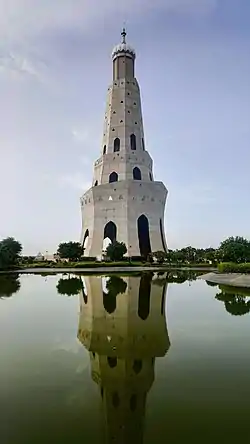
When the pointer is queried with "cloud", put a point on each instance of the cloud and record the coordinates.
(19, 66)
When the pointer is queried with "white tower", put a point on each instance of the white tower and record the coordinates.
(124, 202)
(124, 333)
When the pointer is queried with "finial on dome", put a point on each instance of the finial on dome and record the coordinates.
(123, 34)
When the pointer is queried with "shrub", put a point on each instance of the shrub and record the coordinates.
(231, 267)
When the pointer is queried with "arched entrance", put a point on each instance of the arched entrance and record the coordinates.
(143, 235)
(110, 231)
(85, 240)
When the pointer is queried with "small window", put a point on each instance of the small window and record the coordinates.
(143, 145)
(114, 112)
(104, 149)
(128, 93)
(121, 121)
(136, 173)
(133, 142)
(96, 183)
(121, 101)
(112, 362)
(113, 129)
(113, 177)
(116, 145)
(135, 123)
(150, 176)
(134, 103)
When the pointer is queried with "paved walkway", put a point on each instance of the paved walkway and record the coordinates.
(233, 279)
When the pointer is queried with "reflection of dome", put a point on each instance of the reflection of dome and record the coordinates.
(124, 329)
(123, 48)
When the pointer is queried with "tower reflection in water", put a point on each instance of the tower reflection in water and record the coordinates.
(124, 328)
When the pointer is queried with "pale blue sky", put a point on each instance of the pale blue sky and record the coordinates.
(193, 67)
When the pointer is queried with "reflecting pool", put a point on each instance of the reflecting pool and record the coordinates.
(150, 358)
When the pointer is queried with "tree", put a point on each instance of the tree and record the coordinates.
(235, 304)
(70, 286)
(9, 284)
(235, 249)
(10, 250)
(116, 251)
(160, 256)
(70, 250)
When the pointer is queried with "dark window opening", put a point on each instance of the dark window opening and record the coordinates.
(137, 366)
(128, 111)
(133, 142)
(121, 121)
(135, 123)
(143, 145)
(134, 103)
(121, 101)
(102, 392)
(116, 145)
(114, 112)
(104, 149)
(113, 177)
(113, 129)
(112, 362)
(150, 176)
(136, 173)
(96, 183)
(144, 296)
(143, 235)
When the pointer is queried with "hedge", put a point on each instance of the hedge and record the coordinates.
(230, 267)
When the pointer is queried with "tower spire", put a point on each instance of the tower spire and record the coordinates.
(123, 34)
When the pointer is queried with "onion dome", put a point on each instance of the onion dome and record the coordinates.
(123, 48)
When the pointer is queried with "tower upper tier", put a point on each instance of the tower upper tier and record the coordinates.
(123, 56)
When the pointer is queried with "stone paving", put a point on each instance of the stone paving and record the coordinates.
(234, 279)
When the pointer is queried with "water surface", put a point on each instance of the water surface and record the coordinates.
(122, 360)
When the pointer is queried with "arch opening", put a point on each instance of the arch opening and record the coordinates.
(150, 176)
(104, 149)
(143, 235)
(112, 362)
(136, 173)
(144, 296)
(113, 177)
(133, 142)
(85, 240)
(143, 144)
(96, 183)
(117, 145)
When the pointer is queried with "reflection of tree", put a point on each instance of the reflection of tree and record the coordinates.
(70, 286)
(211, 284)
(235, 304)
(9, 284)
(115, 286)
(181, 276)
